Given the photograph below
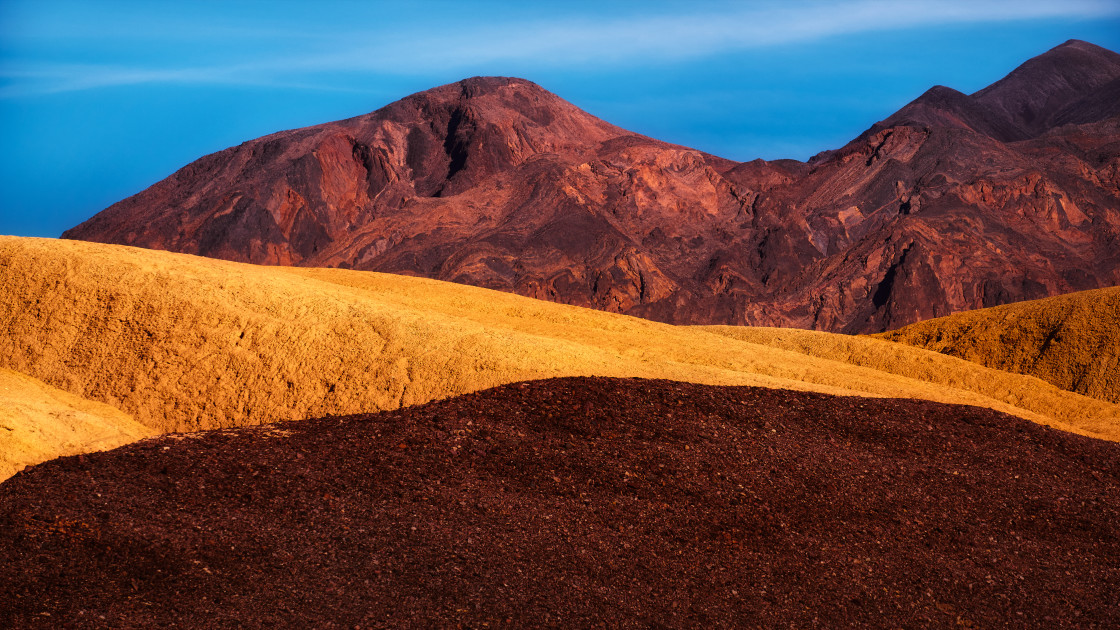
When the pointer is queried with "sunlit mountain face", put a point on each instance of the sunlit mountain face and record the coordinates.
(547, 346)
(954, 202)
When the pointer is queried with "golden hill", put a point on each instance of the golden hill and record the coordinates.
(1071, 341)
(39, 422)
(183, 343)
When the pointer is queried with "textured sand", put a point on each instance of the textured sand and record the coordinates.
(183, 343)
(39, 422)
(1072, 341)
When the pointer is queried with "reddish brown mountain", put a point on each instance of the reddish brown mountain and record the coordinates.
(582, 503)
(955, 202)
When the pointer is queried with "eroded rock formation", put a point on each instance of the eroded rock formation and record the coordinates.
(955, 202)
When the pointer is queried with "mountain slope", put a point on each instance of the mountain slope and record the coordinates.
(182, 343)
(1069, 84)
(1071, 341)
(579, 503)
(1049, 90)
(496, 182)
(39, 422)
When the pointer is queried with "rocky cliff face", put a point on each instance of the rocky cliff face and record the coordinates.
(955, 202)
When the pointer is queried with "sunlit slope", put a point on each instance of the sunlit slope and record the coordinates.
(39, 422)
(1069, 410)
(858, 364)
(183, 343)
(1072, 341)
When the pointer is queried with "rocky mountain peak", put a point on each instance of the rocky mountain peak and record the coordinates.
(1033, 93)
(1071, 83)
(496, 182)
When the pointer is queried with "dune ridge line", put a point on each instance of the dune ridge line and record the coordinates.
(1070, 341)
(183, 343)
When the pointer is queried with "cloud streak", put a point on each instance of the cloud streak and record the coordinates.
(533, 42)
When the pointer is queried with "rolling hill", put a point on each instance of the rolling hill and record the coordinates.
(579, 502)
(1071, 341)
(185, 343)
(39, 422)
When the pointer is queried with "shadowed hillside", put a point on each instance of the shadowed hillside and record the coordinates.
(182, 343)
(39, 422)
(579, 503)
(1072, 341)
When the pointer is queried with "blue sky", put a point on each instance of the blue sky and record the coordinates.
(99, 100)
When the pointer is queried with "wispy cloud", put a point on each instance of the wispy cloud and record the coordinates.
(692, 34)
(43, 79)
(665, 35)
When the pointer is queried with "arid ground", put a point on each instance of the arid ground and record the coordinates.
(183, 343)
(579, 502)
(566, 403)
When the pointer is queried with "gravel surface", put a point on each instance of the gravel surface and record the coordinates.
(579, 502)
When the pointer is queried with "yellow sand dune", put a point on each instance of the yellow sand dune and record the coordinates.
(39, 422)
(1071, 341)
(182, 343)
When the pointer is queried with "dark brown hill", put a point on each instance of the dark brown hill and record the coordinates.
(579, 503)
(955, 202)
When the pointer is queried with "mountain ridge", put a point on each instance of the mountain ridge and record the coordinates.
(1061, 86)
(494, 181)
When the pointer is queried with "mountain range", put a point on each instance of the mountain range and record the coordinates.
(954, 202)
(303, 441)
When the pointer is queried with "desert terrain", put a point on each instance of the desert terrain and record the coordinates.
(481, 359)
(579, 502)
(184, 343)
(39, 422)
(1067, 340)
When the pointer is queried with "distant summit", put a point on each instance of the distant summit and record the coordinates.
(1053, 87)
(1071, 83)
(954, 202)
